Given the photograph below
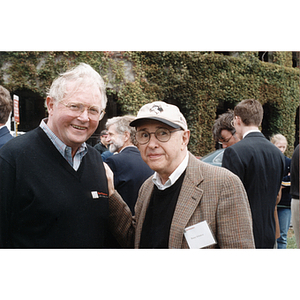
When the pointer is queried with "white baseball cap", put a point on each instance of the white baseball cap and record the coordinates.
(161, 111)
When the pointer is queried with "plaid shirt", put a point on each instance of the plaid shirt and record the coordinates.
(65, 150)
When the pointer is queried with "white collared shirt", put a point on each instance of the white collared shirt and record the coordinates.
(173, 177)
(253, 130)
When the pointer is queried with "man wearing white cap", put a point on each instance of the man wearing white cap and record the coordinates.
(186, 203)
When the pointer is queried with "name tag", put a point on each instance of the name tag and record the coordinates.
(96, 195)
(199, 236)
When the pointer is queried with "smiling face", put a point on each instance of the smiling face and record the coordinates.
(74, 128)
(163, 157)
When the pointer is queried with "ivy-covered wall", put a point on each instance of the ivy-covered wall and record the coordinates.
(195, 81)
(35, 70)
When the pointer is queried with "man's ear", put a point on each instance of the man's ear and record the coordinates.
(126, 136)
(185, 138)
(238, 120)
(50, 104)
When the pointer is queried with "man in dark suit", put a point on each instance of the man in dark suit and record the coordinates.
(130, 171)
(6, 107)
(260, 166)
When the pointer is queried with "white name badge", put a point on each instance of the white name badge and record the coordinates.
(199, 236)
(95, 194)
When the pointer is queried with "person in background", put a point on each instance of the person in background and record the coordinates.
(260, 166)
(5, 110)
(130, 171)
(294, 191)
(102, 145)
(223, 132)
(106, 154)
(183, 192)
(53, 187)
(284, 205)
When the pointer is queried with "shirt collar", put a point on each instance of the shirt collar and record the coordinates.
(64, 150)
(253, 130)
(173, 177)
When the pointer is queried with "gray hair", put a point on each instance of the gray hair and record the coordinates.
(122, 125)
(82, 75)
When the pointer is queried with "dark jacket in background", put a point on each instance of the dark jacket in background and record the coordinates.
(5, 136)
(100, 147)
(286, 197)
(294, 191)
(130, 172)
(260, 166)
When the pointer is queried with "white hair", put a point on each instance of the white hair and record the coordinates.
(82, 75)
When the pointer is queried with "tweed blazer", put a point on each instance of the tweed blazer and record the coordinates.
(208, 193)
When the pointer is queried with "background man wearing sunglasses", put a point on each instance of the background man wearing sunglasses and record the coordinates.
(184, 191)
(53, 188)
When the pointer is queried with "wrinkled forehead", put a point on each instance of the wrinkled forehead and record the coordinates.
(85, 90)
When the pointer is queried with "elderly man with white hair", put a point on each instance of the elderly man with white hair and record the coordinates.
(53, 188)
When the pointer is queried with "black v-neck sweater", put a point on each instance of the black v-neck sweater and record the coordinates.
(159, 215)
(44, 202)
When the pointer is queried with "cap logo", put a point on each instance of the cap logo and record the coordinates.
(157, 109)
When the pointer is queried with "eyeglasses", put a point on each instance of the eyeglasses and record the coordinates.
(94, 112)
(225, 142)
(162, 134)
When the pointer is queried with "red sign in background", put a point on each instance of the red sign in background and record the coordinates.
(16, 109)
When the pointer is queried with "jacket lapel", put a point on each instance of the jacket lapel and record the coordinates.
(188, 200)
